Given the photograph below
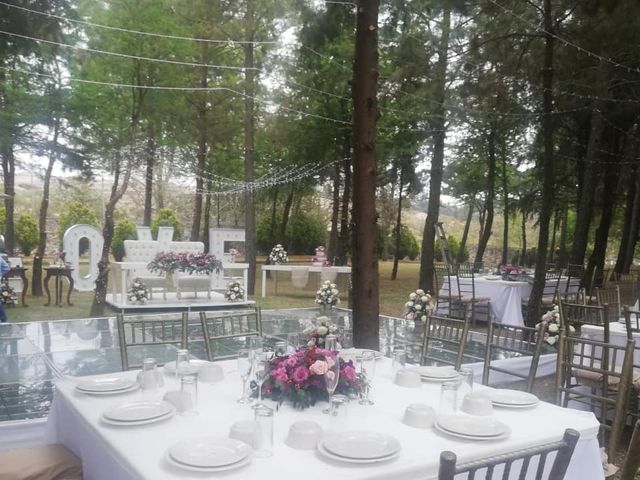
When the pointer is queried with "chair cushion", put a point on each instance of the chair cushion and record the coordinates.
(44, 462)
(594, 379)
(470, 298)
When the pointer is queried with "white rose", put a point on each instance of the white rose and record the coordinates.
(424, 318)
(418, 307)
(322, 330)
(553, 327)
(551, 340)
(413, 296)
(408, 304)
(334, 291)
(333, 285)
(420, 292)
(310, 343)
(556, 308)
(235, 289)
(571, 329)
(233, 297)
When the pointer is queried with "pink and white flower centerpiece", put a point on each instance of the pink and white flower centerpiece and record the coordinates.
(328, 295)
(318, 330)
(234, 293)
(419, 305)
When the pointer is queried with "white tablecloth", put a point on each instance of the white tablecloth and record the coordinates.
(617, 336)
(109, 452)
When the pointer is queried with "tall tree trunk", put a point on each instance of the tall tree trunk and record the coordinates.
(627, 225)
(249, 146)
(635, 225)
(554, 231)
(274, 216)
(523, 226)
(201, 156)
(9, 172)
(437, 161)
(396, 255)
(491, 190)
(465, 233)
(563, 254)
(505, 208)
(366, 308)
(345, 234)
(335, 214)
(546, 210)
(286, 213)
(148, 176)
(207, 215)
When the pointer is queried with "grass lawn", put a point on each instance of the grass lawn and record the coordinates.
(393, 295)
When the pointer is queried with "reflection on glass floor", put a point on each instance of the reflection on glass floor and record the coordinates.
(32, 355)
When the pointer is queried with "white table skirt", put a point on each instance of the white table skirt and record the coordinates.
(138, 452)
(617, 336)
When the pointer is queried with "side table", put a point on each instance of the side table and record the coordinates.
(20, 273)
(59, 272)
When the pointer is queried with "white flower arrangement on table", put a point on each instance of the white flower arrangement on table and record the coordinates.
(328, 294)
(234, 293)
(278, 255)
(418, 306)
(550, 322)
(138, 292)
(318, 330)
(7, 294)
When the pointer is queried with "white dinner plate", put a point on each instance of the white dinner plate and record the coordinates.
(357, 353)
(170, 367)
(512, 398)
(504, 435)
(105, 385)
(471, 425)
(139, 422)
(436, 372)
(210, 452)
(493, 277)
(133, 388)
(138, 411)
(326, 453)
(192, 468)
(361, 445)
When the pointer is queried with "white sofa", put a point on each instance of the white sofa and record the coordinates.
(140, 253)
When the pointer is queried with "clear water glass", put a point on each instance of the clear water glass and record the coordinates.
(293, 340)
(368, 369)
(189, 395)
(281, 349)
(465, 376)
(263, 436)
(347, 339)
(331, 376)
(244, 369)
(331, 342)
(255, 344)
(261, 370)
(449, 398)
(399, 360)
(150, 379)
(182, 362)
(338, 413)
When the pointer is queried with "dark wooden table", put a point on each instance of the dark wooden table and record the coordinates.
(59, 272)
(19, 272)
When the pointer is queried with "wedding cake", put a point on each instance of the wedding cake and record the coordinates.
(320, 259)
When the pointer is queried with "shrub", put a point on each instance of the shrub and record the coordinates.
(409, 246)
(304, 233)
(125, 230)
(454, 246)
(167, 218)
(27, 233)
(75, 213)
(264, 240)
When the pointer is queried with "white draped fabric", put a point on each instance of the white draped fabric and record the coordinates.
(109, 452)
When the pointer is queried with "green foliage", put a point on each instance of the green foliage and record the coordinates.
(304, 233)
(27, 233)
(409, 246)
(75, 213)
(125, 230)
(167, 218)
(3, 220)
(454, 246)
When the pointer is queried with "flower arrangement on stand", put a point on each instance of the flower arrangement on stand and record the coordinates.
(511, 272)
(318, 330)
(278, 255)
(234, 293)
(328, 295)
(418, 306)
(199, 263)
(7, 294)
(550, 323)
(299, 377)
(166, 262)
(138, 292)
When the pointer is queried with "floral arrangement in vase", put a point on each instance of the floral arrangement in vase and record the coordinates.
(328, 295)
(419, 305)
(318, 330)
(165, 262)
(278, 255)
(511, 272)
(233, 252)
(7, 294)
(138, 292)
(234, 292)
(199, 263)
(550, 323)
(299, 377)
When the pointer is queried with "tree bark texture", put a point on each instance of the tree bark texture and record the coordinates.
(427, 257)
(335, 216)
(286, 214)
(563, 254)
(523, 229)
(366, 308)
(345, 232)
(465, 233)
(202, 153)
(396, 254)
(635, 226)
(627, 225)
(491, 190)
(505, 206)
(148, 177)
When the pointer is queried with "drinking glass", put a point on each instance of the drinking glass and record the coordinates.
(338, 419)
(399, 361)
(281, 349)
(331, 377)
(261, 370)
(189, 395)
(182, 362)
(449, 398)
(368, 369)
(347, 339)
(255, 345)
(466, 383)
(263, 435)
(293, 339)
(244, 368)
(150, 379)
(331, 342)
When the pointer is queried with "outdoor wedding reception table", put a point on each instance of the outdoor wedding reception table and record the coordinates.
(136, 452)
(331, 271)
(617, 336)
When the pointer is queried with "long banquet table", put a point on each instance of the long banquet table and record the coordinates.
(299, 268)
(109, 452)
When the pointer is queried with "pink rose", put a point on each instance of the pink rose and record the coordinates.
(319, 367)
(280, 374)
(350, 373)
(330, 362)
(300, 374)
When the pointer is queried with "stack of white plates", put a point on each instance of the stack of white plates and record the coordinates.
(194, 366)
(493, 277)
(359, 447)
(512, 398)
(436, 374)
(138, 413)
(356, 353)
(107, 386)
(209, 454)
(472, 427)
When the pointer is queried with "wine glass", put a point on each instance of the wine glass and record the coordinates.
(331, 378)
(261, 370)
(244, 368)
(368, 369)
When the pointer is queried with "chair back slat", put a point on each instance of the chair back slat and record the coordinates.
(631, 463)
(452, 333)
(228, 326)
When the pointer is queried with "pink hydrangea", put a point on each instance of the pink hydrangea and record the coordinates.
(280, 374)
